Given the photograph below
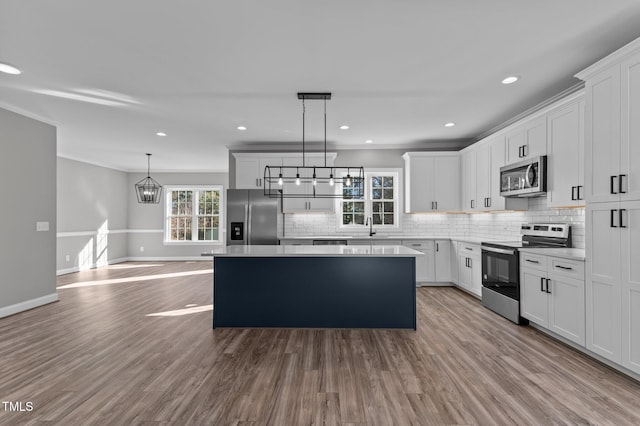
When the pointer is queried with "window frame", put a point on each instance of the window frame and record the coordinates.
(168, 189)
(368, 201)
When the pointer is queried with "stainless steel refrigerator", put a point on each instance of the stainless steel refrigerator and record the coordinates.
(252, 218)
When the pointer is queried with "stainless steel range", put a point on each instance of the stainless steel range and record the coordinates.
(501, 266)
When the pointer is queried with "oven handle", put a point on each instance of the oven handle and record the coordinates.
(499, 250)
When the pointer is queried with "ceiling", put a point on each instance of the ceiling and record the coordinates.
(111, 74)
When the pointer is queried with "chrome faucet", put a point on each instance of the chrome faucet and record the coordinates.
(370, 223)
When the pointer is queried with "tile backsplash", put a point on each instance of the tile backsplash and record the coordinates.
(490, 226)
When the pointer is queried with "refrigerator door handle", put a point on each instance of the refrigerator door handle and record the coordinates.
(249, 225)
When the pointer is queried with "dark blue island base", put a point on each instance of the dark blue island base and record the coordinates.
(314, 292)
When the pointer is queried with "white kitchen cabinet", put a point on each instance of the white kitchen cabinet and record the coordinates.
(552, 294)
(470, 268)
(432, 182)
(612, 129)
(443, 261)
(527, 140)
(425, 265)
(481, 178)
(250, 169)
(469, 202)
(613, 281)
(565, 163)
(307, 204)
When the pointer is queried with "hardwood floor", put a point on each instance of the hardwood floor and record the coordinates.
(97, 357)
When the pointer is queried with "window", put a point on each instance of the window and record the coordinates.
(193, 214)
(380, 201)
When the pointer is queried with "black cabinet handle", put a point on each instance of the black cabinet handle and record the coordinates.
(468, 248)
(470, 263)
(573, 193)
(580, 193)
(531, 261)
(488, 201)
(437, 247)
(436, 205)
(620, 184)
(548, 291)
(542, 284)
(612, 184)
(564, 267)
(620, 218)
(611, 218)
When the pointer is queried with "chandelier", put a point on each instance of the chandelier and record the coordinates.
(314, 181)
(148, 190)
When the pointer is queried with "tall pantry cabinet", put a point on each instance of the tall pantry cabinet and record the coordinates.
(612, 194)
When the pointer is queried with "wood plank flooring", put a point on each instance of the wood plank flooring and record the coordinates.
(97, 357)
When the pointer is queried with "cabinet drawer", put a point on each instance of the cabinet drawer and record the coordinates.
(469, 249)
(566, 267)
(418, 244)
(533, 261)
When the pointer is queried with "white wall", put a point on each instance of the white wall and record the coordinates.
(28, 194)
(92, 216)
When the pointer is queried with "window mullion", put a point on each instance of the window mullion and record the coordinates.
(195, 200)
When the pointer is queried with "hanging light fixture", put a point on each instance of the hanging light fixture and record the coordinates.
(148, 190)
(314, 181)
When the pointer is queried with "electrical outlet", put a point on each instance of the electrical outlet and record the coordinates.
(141, 248)
(68, 258)
(42, 226)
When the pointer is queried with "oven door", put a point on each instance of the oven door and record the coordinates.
(500, 271)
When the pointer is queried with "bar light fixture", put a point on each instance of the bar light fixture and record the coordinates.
(304, 181)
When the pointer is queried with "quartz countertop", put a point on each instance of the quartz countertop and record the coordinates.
(313, 251)
(566, 253)
(366, 237)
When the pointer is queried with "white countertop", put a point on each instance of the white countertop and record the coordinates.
(314, 251)
(566, 253)
(365, 237)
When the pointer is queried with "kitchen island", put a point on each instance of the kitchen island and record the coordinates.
(314, 286)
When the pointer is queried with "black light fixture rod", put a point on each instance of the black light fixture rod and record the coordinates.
(148, 165)
(303, 111)
(325, 132)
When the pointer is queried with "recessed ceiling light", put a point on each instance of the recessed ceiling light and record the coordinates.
(241, 128)
(368, 141)
(450, 124)
(9, 69)
(161, 134)
(511, 79)
(344, 127)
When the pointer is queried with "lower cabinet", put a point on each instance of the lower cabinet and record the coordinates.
(435, 265)
(552, 294)
(469, 268)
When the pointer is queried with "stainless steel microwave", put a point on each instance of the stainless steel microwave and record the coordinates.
(526, 178)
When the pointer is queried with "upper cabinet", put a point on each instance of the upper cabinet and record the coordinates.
(565, 147)
(612, 127)
(432, 182)
(250, 169)
(481, 177)
(527, 140)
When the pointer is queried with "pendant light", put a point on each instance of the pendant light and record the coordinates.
(148, 190)
(314, 181)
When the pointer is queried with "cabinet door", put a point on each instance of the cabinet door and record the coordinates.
(602, 136)
(535, 137)
(603, 302)
(446, 183)
(295, 205)
(630, 286)
(419, 184)
(476, 275)
(469, 186)
(630, 136)
(324, 205)
(247, 173)
(464, 272)
(566, 156)
(425, 266)
(566, 308)
(443, 261)
(483, 177)
(515, 141)
(533, 296)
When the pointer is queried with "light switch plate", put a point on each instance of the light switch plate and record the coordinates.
(42, 226)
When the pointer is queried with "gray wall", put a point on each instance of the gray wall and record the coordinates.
(92, 215)
(28, 194)
(146, 221)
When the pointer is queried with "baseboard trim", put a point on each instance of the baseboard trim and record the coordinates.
(28, 304)
(168, 259)
(94, 266)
